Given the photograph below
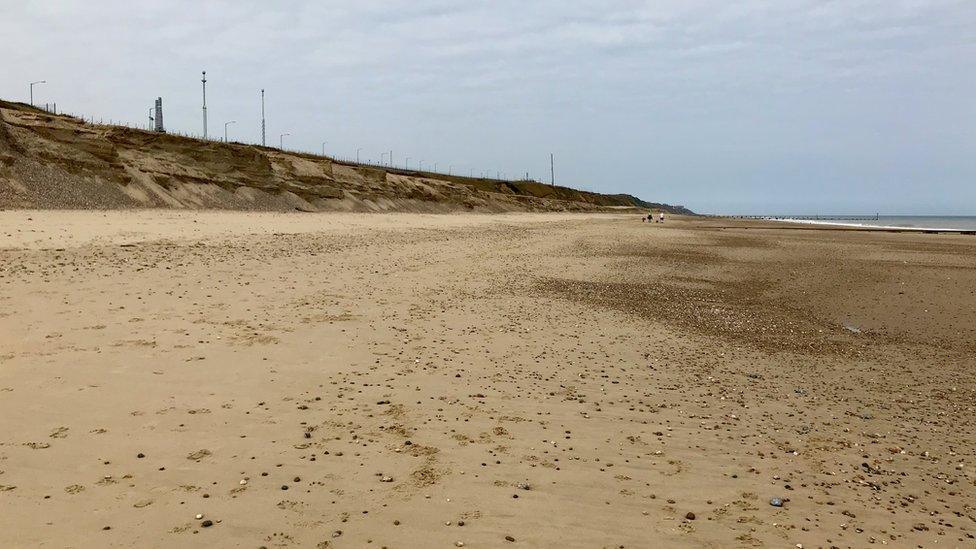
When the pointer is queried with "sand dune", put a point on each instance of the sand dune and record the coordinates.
(54, 161)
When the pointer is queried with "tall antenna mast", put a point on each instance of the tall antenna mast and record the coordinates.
(204, 104)
(262, 117)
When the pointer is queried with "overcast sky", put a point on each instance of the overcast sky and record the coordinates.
(786, 106)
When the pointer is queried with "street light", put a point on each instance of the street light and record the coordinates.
(435, 166)
(357, 154)
(32, 90)
(281, 141)
(204, 80)
(323, 147)
(225, 128)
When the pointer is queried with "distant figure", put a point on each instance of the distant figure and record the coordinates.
(662, 217)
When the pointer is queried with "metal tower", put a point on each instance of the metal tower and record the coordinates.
(159, 115)
(262, 117)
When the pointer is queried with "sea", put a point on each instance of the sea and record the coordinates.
(952, 222)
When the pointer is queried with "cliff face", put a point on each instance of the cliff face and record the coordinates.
(56, 161)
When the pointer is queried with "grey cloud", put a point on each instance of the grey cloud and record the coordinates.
(720, 105)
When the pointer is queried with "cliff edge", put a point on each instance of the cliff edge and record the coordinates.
(58, 161)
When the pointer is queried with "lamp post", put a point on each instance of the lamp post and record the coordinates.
(32, 90)
(435, 166)
(552, 171)
(323, 147)
(281, 141)
(204, 80)
(357, 154)
(225, 128)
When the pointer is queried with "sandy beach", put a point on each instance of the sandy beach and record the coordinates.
(235, 379)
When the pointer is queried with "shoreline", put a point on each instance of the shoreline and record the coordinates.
(869, 226)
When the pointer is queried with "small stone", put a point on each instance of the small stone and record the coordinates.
(140, 455)
(689, 515)
(207, 523)
(509, 538)
(776, 502)
(199, 516)
(386, 479)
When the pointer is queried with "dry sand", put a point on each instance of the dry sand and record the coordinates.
(533, 380)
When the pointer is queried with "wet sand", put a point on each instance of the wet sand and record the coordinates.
(533, 380)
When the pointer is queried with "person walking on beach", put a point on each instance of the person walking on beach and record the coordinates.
(662, 217)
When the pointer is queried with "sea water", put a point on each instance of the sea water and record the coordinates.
(952, 222)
